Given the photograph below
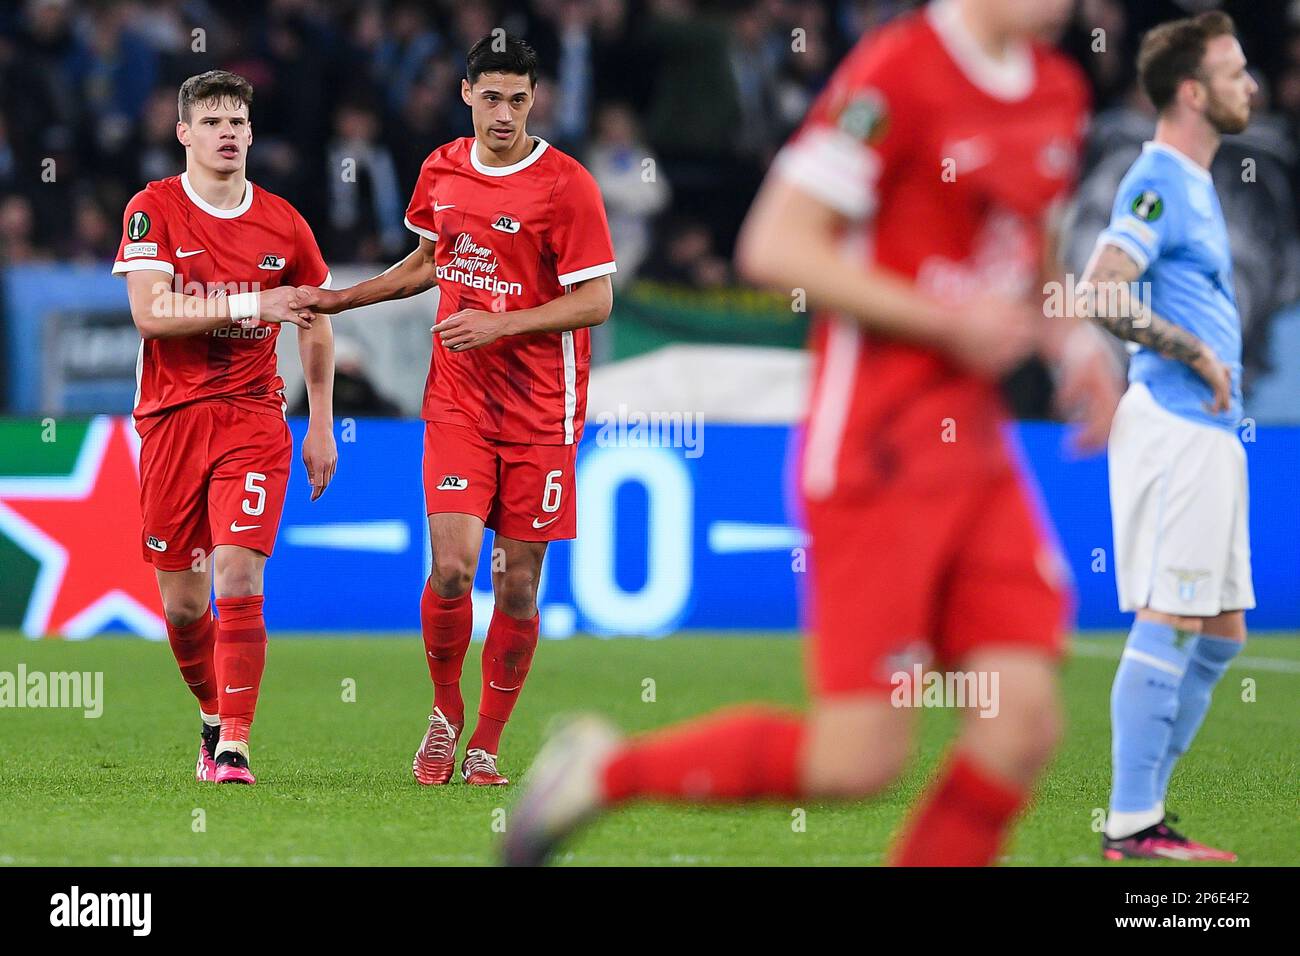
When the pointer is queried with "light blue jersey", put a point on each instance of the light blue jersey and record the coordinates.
(1168, 219)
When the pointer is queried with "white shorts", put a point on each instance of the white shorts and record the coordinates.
(1179, 510)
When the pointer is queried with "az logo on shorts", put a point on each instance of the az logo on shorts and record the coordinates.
(154, 544)
(453, 483)
(272, 262)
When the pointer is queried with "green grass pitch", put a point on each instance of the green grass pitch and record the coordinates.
(335, 784)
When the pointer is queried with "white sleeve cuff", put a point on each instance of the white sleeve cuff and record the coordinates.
(1118, 239)
(431, 236)
(140, 265)
(591, 272)
(833, 168)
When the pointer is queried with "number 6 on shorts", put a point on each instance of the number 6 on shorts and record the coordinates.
(551, 502)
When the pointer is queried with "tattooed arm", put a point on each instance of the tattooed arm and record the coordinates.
(1105, 295)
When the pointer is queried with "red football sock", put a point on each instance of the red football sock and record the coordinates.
(240, 658)
(740, 753)
(507, 655)
(192, 647)
(446, 624)
(963, 819)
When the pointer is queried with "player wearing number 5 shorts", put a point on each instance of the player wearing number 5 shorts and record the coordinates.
(513, 233)
(210, 263)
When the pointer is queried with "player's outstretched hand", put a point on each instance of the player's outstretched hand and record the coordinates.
(1217, 376)
(1089, 385)
(994, 334)
(316, 300)
(470, 329)
(275, 305)
(321, 456)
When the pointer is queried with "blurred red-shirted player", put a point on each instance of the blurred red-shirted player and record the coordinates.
(513, 233)
(210, 264)
(913, 207)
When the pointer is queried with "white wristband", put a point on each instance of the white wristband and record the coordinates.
(243, 305)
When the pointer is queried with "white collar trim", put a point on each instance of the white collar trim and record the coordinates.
(524, 163)
(212, 210)
(1191, 165)
(1008, 79)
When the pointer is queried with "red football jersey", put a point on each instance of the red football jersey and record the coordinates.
(948, 166)
(260, 244)
(511, 238)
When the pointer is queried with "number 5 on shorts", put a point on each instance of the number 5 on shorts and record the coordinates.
(552, 491)
(253, 488)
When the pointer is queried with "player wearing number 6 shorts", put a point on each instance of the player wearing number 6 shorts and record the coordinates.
(210, 264)
(513, 233)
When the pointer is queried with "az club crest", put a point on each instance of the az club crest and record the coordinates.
(504, 222)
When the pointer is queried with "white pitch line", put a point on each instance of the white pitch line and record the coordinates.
(1084, 648)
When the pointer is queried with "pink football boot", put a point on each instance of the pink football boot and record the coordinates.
(1161, 842)
(232, 767)
(205, 769)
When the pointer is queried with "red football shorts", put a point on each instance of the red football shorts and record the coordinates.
(211, 473)
(929, 573)
(525, 492)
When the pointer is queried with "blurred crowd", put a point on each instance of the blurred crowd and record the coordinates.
(687, 98)
(677, 106)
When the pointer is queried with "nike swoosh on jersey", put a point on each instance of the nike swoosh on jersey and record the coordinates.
(493, 684)
(186, 255)
(236, 690)
(437, 208)
(539, 527)
(236, 526)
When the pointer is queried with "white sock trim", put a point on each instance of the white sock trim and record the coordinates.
(236, 745)
(1151, 660)
(210, 720)
(1121, 824)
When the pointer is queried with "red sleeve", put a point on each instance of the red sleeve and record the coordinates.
(309, 265)
(144, 242)
(857, 132)
(580, 232)
(1073, 96)
(419, 214)
(1080, 97)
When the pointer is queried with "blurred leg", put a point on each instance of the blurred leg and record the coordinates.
(967, 812)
